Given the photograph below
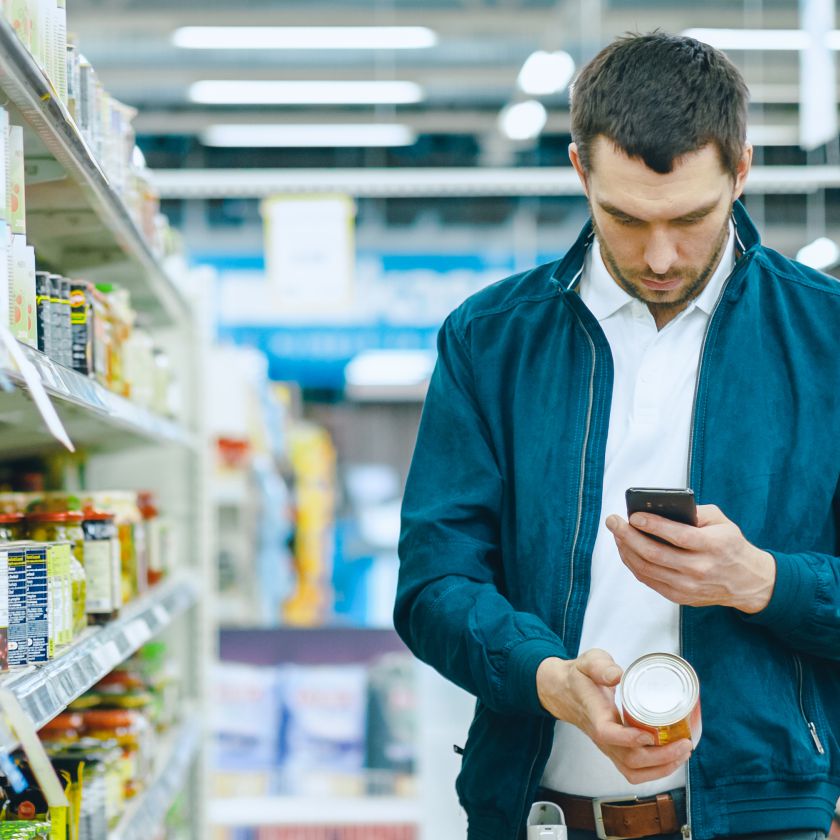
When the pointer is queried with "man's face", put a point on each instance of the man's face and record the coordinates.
(661, 236)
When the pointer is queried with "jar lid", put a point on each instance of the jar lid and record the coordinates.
(44, 516)
(75, 516)
(11, 518)
(97, 515)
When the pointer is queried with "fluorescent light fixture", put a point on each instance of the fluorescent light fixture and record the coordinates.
(760, 39)
(821, 254)
(304, 37)
(270, 92)
(308, 136)
(389, 368)
(523, 121)
(544, 73)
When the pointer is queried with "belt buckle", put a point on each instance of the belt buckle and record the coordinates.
(597, 803)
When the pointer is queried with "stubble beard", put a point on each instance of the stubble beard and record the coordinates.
(664, 309)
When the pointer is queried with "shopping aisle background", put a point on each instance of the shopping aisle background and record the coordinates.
(336, 226)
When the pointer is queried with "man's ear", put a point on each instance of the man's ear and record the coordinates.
(743, 169)
(574, 157)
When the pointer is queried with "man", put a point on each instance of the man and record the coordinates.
(668, 348)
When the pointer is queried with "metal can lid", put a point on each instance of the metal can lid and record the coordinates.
(659, 689)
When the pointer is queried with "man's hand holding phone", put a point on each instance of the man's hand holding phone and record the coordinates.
(703, 565)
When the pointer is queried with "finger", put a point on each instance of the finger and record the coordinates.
(642, 758)
(599, 666)
(676, 533)
(612, 735)
(710, 515)
(636, 544)
(636, 777)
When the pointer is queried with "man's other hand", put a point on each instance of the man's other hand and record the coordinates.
(582, 692)
(712, 564)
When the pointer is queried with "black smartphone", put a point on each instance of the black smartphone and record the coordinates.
(672, 503)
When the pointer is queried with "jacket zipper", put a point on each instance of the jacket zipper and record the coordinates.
(524, 815)
(582, 466)
(812, 728)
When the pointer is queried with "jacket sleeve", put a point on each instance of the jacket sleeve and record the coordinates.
(449, 608)
(804, 610)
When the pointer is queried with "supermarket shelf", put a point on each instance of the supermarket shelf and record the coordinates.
(91, 414)
(145, 814)
(92, 228)
(46, 690)
(244, 812)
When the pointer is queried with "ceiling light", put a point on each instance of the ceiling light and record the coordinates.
(821, 254)
(308, 136)
(760, 39)
(389, 368)
(304, 37)
(544, 73)
(269, 92)
(523, 121)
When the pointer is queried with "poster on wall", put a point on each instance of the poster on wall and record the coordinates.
(309, 253)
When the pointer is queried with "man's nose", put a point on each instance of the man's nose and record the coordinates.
(660, 252)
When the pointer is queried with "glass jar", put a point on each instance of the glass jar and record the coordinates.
(102, 566)
(12, 527)
(78, 577)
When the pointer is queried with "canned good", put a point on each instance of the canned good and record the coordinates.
(81, 323)
(43, 306)
(660, 693)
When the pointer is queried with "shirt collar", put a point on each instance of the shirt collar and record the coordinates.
(604, 297)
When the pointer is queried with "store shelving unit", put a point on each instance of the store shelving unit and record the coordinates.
(46, 690)
(74, 216)
(80, 225)
(90, 413)
(173, 765)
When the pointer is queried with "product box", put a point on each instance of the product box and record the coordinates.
(23, 308)
(246, 717)
(5, 166)
(17, 181)
(5, 275)
(323, 726)
(60, 50)
(17, 13)
(4, 608)
(40, 632)
(17, 629)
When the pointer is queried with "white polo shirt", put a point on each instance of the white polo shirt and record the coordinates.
(647, 446)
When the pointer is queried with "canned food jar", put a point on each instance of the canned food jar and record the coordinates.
(660, 693)
(12, 527)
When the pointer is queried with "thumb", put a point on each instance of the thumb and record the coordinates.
(600, 667)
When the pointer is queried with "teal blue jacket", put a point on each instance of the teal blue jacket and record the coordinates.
(503, 502)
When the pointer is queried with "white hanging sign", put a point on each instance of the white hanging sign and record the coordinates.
(310, 254)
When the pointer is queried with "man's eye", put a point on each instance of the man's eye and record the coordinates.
(622, 220)
(693, 221)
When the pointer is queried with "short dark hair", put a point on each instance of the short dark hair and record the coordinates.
(659, 96)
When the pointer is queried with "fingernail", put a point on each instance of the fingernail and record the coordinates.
(612, 673)
(612, 522)
(646, 741)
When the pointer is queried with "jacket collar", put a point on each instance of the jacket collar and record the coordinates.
(568, 272)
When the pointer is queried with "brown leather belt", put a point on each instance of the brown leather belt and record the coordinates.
(615, 817)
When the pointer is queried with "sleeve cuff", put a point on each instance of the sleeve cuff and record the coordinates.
(793, 594)
(524, 659)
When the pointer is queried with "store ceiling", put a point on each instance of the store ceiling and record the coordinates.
(467, 77)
